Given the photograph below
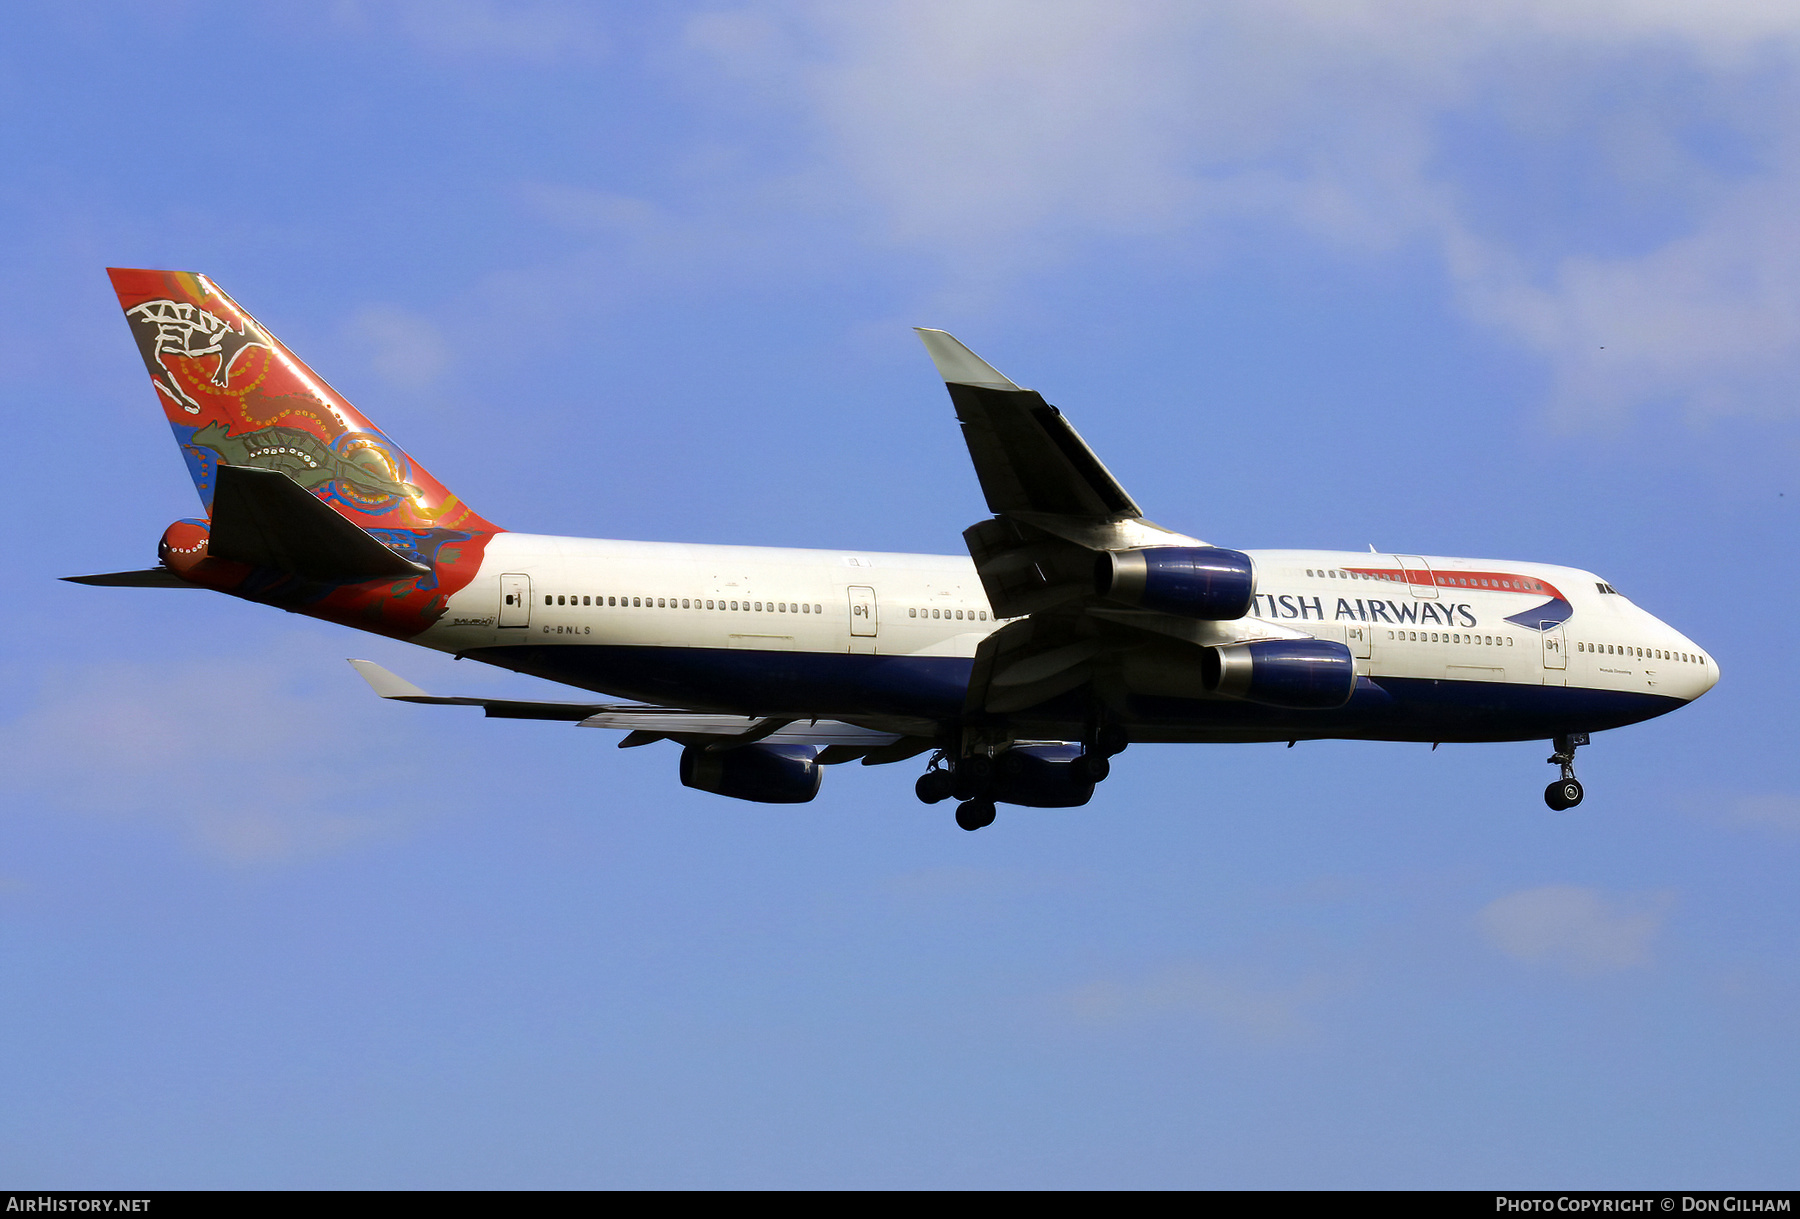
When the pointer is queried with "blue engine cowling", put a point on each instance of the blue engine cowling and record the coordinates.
(1202, 582)
(1305, 674)
(1042, 776)
(767, 774)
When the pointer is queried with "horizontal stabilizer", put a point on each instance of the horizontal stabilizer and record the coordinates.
(153, 577)
(266, 519)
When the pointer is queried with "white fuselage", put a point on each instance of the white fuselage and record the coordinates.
(1436, 618)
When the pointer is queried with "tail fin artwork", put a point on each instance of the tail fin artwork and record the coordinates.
(236, 396)
(309, 505)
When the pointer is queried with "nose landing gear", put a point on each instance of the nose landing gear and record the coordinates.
(1566, 792)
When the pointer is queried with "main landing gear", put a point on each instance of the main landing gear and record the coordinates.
(1037, 775)
(968, 780)
(1566, 792)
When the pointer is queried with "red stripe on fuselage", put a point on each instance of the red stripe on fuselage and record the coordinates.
(1486, 581)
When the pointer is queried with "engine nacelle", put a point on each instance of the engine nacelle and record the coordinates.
(1203, 582)
(767, 774)
(1305, 674)
(1042, 776)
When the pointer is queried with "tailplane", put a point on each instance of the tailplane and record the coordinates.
(236, 396)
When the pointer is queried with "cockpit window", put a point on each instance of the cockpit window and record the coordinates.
(1606, 588)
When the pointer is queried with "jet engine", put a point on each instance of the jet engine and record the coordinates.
(1202, 582)
(767, 774)
(1042, 776)
(1305, 674)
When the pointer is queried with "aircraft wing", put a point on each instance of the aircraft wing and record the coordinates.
(644, 724)
(1055, 504)
(1057, 509)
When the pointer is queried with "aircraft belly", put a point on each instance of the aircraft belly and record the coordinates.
(1405, 709)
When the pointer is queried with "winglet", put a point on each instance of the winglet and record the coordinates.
(957, 364)
(384, 683)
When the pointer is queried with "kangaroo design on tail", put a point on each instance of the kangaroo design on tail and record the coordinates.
(304, 458)
(164, 327)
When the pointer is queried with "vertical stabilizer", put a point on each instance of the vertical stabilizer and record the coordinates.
(237, 397)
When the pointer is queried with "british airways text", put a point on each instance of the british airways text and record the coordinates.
(1294, 605)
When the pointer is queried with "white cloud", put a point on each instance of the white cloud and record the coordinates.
(248, 771)
(406, 350)
(1001, 136)
(1232, 1005)
(1772, 812)
(1579, 931)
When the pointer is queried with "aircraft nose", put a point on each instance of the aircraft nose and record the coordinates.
(1704, 675)
(1711, 677)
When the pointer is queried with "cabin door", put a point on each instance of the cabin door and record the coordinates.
(865, 622)
(1556, 660)
(515, 600)
(1418, 575)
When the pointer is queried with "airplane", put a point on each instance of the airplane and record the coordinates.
(1073, 628)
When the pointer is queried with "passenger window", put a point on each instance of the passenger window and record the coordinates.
(912, 613)
(547, 600)
(818, 609)
(984, 615)
(509, 598)
(805, 608)
(559, 600)
(959, 615)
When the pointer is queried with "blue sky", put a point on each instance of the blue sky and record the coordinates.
(1513, 280)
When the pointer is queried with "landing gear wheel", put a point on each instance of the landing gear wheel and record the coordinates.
(1095, 767)
(974, 814)
(933, 786)
(1563, 794)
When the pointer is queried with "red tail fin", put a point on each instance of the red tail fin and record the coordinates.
(236, 396)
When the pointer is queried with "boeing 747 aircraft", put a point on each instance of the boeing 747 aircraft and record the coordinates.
(1073, 628)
